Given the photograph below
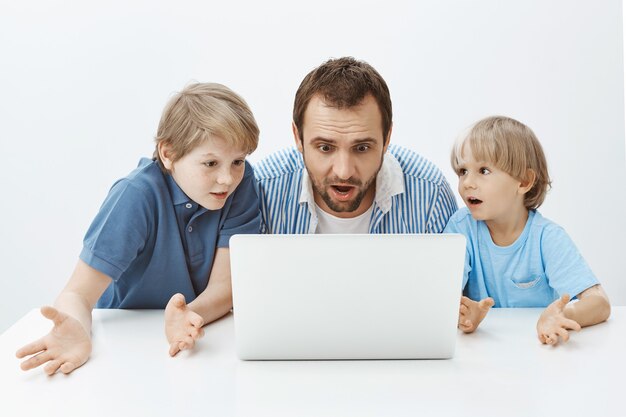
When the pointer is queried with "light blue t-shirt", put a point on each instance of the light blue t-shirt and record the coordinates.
(541, 265)
(154, 241)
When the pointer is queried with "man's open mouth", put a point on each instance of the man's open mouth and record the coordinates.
(342, 189)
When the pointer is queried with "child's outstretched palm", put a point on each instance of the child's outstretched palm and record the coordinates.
(553, 324)
(182, 325)
(471, 312)
(66, 347)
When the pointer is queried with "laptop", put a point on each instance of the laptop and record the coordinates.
(333, 296)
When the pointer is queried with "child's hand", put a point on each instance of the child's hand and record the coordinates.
(182, 325)
(553, 323)
(471, 313)
(66, 347)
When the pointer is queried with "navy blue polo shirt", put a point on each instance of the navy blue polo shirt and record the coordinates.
(154, 241)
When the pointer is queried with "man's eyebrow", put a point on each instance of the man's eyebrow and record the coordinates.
(354, 141)
(323, 139)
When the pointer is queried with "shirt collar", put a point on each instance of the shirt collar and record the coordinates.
(178, 196)
(389, 182)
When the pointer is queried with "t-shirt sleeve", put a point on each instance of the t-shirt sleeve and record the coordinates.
(244, 215)
(456, 226)
(565, 268)
(119, 231)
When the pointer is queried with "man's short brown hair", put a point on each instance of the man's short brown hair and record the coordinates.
(343, 83)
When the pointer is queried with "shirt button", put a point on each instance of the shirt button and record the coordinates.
(189, 205)
(190, 229)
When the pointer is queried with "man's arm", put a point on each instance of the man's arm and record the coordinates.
(68, 345)
(183, 322)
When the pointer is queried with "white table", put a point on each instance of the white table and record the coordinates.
(501, 370)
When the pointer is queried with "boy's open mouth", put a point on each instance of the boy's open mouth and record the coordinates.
(220, 195)
(474, 201)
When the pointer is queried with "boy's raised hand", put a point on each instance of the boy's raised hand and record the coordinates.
(65, 348)
(471, 312)
(182, 325)
(553, 324)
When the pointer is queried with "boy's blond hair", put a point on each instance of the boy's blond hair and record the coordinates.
(202, 111)
(512, 147)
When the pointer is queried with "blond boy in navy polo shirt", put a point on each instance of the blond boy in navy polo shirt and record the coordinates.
(161, 236)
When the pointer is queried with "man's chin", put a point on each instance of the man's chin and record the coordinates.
(343, 206)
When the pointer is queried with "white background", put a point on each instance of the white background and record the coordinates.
(83, 86)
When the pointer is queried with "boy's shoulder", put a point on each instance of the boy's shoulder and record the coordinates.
(415, 165)
(462, 215)
(147, 178)
(545, 227)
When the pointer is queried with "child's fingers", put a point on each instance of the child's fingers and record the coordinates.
(52, 367)
(465, 301)
(196, 321)
(31, 348)
(179, 300)
(463, 309)
(541, 337)
(174, 349)
(486, 303)
(68, 367)
(552, 339)
(570, 324)
(564, 300)
(53, 314)
(196, 333)
(189, 342)
(466, 325)
(564, 334)
(36, 360)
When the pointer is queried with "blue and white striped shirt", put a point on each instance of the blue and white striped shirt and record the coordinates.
(412, 195)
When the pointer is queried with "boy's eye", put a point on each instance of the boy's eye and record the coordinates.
(238, 162)
(210, 163)
(461, 171)
(485, 171)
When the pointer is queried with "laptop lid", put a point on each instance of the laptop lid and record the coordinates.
(346, 296)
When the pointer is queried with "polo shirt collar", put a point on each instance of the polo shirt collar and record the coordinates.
(389, 183)
(178, 196)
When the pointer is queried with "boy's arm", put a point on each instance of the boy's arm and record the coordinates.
(592, 307)
(183, 322)
(68, 345)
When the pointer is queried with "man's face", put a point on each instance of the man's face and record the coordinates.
(343, 152)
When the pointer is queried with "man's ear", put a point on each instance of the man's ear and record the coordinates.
(527, 183)
(388, 139)
(166, 154)
(296, 136)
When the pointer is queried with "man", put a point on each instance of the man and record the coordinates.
(344, 176)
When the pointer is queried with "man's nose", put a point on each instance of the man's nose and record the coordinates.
(343, 165)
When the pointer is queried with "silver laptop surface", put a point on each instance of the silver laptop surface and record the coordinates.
(346, 296)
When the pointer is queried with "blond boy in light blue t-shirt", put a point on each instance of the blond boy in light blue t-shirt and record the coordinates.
(515, 256)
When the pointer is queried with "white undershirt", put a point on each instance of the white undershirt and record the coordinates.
(327, 223)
